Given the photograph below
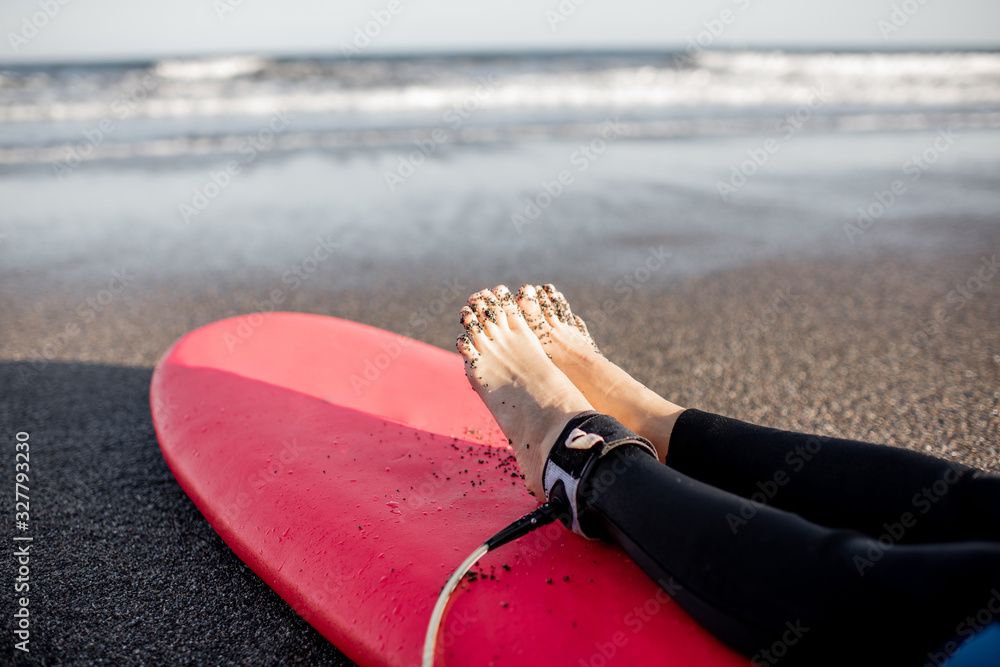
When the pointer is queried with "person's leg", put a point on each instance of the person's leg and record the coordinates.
(886, 491)
(781, 588)
(777, 581)
(832, 481)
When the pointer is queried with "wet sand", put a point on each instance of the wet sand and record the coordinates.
(128, 571)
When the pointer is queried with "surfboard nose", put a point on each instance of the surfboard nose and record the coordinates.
(345, 363)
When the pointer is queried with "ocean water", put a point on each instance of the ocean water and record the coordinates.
(478, 165)
(175, 108)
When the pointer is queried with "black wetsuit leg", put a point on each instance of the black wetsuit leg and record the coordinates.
(838, 482)
(779, 586)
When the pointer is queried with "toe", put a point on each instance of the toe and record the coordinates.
(508, 304)
(490, 297)
(481, 306)
(467, 349)
(527, 301)
(559, 304)
(548, 308)
(469, 320)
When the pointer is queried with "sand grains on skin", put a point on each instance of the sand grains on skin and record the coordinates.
(530, 398)
(568, 343)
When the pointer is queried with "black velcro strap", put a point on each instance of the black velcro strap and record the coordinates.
(567, 468)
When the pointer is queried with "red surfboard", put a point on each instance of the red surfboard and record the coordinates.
(353, 470)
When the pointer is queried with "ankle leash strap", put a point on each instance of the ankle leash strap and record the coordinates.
(587, 438)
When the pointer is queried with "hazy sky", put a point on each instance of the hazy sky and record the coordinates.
(98, 29)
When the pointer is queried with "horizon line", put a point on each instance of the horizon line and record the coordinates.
(536, 52)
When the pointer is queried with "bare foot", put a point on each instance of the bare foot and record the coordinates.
(569, 345)
(529, 397)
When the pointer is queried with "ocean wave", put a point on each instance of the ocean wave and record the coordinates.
(256, 87)
(209, 69)
(190, 106)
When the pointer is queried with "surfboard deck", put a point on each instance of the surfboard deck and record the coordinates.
(353, 469)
